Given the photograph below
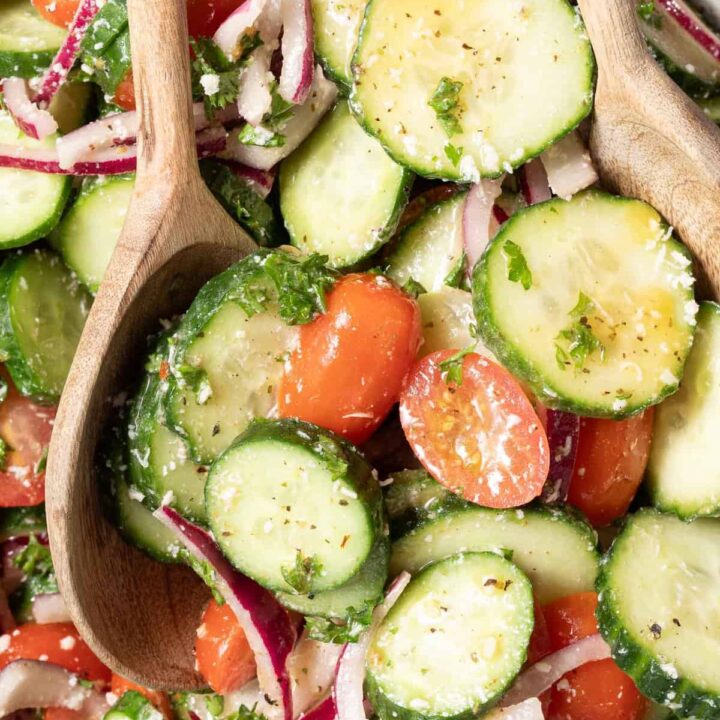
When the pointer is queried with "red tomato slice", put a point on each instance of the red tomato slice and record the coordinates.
(597, 690)
(120, 685)
(481, 439)
(610, 464)
(26, 428)
(58, 12)
(58, 643)
(59, 713)
(222, 652)
(350, 362)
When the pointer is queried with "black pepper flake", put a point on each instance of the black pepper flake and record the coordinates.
(216, 429)
(656, 631)
(677, 622)
(490, 582)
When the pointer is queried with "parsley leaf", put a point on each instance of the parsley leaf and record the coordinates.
(281, 111)
(135, 706)
(267, 133)
(35, 563)
(454, 154)
(348, 629)
(41, 464)
(260, 136)
(647, 11)
(197, 380)
(246, 713)
(452, 368)
(300, 577)
(3, 453)
(577, 342)
(205, 570)
(444, 101)
(413, 288)
(517, 267)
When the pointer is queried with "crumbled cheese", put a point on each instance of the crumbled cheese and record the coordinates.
(210, 83)
(67, 643)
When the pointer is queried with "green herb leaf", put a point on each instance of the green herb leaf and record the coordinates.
(260, 136)
(281, 111)
(300, 577)
(35, 563)
(246, 713)
(215, 704)
(41, 464)
(3, 453)
(445, 101)
(347, 629)
(414, 288)
(576, 343)
(134, 706)
(452, 368)
(454, 154)
(517, 267)
(205, 571)
(648, 12)
(197, 380)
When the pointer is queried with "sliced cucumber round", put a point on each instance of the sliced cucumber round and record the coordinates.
(430, 251)
(453, 642)
(293, 506)
(556, 549)
(448, 88)
(28, 42)
(336, 25)
(87, 235)
(683, 472)
(329, 177)
(31, 203)
(658, 610)
(589, 301)
(42, 313)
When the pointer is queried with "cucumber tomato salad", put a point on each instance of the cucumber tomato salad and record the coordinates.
(444, 445)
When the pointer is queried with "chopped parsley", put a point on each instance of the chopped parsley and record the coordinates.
(414, 288)
(267, 133)
(445, 101)
(35, 563)
(41, 464)
(453, 154)
(517, 267)
(576, 343)
(197, 380)
(246, 713)
(648, 12)
(260, 136)
(340, 631)
(205, 570)
(300, 577)
(452, 368)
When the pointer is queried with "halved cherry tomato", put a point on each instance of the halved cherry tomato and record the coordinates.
(58, 12)
(222, 652)
(120, 685)
(125, 92)
(610, 464)
(480, 438)
(25, 427)
(595, 691)
(350, 362)
(59, 713)
(58, 643)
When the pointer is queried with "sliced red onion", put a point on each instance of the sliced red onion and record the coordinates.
(499, 214)
(306, 117)
(324, 710)
(33, 684)
(478, 214)
(254, 97)
(563, 434)
(350, 672)
(61, 65)
(688, 20)
(50, 608)
(568, 166)
(534, 183)
(237, 24)
(261, 181)
(298, 63)
(530, 709)
(266, 623)
(544, 674)
(33, 121)
(312, 667)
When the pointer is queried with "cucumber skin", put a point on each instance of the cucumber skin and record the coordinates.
(356, 109)
(630, 656)
(26, 65)
(512, 358)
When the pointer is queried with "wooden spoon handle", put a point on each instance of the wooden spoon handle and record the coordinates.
(161, 75)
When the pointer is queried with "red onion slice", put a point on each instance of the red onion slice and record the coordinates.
(563, 434)
(32, 684)
(568, 166)
(261, 181)
(533, 183)
(7, 621)
(530, 709)
(254, 97)
(544, 674)
(305, 119)
(312, 666)
(478, 213)
(692, 24)
(61, 65)
(266, 623)
(236, 25)
(33, 121)
(324, 710)
(50, 608)
(298, 63)
(350, 672)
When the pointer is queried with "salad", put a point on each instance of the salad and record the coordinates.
(443, 446)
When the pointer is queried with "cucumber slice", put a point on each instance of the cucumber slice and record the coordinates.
(21, 521)
(239, 358)
(158, 460)
(42, 313)
(430, 251)
(453, 642)
(711, 107)
(683, 472)
(365, 589)
(293, 506)
(31, 203)
(529, 58)
(658, 606)
(556, 549)
(71, 105)
(87, 235)
(609, 283)
(28, 42)
(328, 177)
(336, 25)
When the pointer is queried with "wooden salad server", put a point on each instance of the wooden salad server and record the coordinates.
(649, 140)
(137, 615)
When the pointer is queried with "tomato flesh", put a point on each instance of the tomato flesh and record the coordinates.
(481, 439)
(348, 368)
(58, 12)
(594, 691)
(25, 427)
(610, 464)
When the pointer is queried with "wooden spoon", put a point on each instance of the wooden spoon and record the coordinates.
(137, 615)
(649, 140)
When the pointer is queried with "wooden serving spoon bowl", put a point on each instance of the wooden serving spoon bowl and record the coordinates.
(137, 615)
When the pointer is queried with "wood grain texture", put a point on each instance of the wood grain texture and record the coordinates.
(649, 140)
(137, 615)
